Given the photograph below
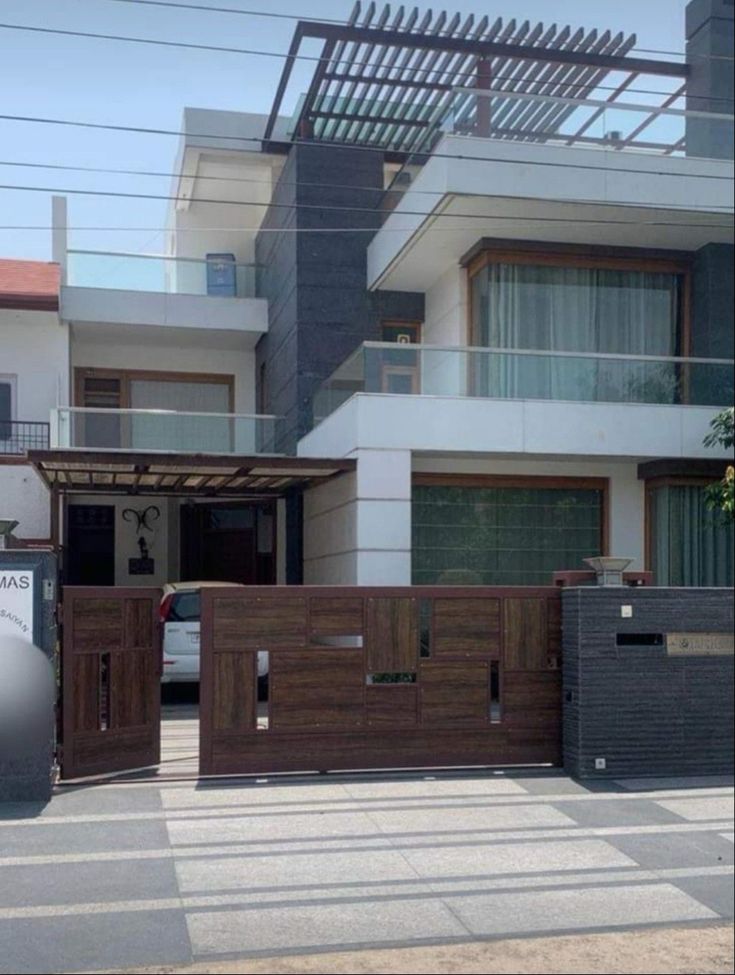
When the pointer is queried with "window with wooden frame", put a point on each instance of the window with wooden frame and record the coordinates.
(178, 392)
(504, 530)
(592, 300)
(687, 543)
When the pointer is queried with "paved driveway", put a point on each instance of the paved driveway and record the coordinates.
(119, 875)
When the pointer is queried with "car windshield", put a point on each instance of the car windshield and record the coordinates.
(185, 608)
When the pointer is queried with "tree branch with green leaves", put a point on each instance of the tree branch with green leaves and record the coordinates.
(721, 496)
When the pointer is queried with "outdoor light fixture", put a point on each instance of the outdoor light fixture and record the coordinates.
(6, 527)
(609, 570)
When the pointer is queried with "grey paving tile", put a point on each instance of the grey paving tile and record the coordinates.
(577, 910)
(311, 871)
(91, 801)
(38, 838)
(99, 941)
(549, 785)
(715, 893)
(286, 928)
(661, 851)
(89, 882)
(699, 808)
(515, 858)
(653, 783)
(617, 812)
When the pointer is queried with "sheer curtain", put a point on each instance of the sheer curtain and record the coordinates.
(692, 545)
(196, 433)
(568, 309)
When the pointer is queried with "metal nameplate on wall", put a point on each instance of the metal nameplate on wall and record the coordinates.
(699, 643)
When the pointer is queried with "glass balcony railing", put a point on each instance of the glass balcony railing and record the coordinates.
(582, 377)
(667, 124)
(157, 273)
(171, 431)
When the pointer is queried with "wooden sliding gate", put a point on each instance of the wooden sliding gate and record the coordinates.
(379, 678)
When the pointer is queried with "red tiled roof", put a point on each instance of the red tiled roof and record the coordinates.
(29, 284)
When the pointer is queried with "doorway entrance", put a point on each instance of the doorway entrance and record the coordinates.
(90, 546)
(233, 542)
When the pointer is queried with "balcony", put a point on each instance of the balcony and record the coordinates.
(166, 431)
(104, 287)
(618, 173)
(19, 436)
(511, 374)
(160, 274)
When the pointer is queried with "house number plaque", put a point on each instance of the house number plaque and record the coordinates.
(700, 644)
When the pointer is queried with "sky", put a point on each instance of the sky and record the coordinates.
(124, 84)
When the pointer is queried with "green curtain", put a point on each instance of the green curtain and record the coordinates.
(501, 536)
(692, 545)
(568, 309)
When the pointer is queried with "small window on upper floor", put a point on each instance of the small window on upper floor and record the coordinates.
(7, 395)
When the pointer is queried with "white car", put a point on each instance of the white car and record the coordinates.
(180, 614)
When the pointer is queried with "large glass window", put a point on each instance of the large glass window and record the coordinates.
(576, 309)
(691, 545)
(503, 535)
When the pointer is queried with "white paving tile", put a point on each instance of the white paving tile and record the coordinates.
(315, 926)
(698, 808)
(590, 907)
(253, 795)
(516, 858)
(432, 788)
(310, 871)
(460, 819)
(266, 828)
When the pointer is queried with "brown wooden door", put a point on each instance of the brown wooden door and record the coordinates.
(110, 673)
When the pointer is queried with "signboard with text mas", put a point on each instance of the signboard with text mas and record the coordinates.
(16, 603)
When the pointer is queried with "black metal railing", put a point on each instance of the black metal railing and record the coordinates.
(19, 436)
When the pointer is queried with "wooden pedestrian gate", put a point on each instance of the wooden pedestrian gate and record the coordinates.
(379, 678)
(110, 674)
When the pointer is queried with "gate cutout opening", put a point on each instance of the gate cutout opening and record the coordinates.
(103, 694)
(496, 711)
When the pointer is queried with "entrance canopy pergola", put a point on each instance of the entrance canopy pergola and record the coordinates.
(180, 475)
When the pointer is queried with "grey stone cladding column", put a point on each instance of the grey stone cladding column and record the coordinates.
(629, 702)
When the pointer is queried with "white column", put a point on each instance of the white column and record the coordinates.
(383, 517)
(59, 242)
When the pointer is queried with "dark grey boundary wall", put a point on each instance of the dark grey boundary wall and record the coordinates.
(641, 710)
(31, 777)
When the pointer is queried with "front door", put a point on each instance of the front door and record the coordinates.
(110, 678)
(90, 548)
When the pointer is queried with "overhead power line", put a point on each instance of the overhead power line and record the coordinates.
(253, 52)
(200, 7)
(157, 174)
(356, 209)
(140, 130)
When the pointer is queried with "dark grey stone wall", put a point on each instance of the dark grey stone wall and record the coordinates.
(28, 776)
(644, 712)
(710, 48)
(316, 279)
(713, 299)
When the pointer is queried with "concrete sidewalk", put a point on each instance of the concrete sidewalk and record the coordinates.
(117, 876)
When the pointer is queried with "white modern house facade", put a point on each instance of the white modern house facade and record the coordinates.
(441, 330)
